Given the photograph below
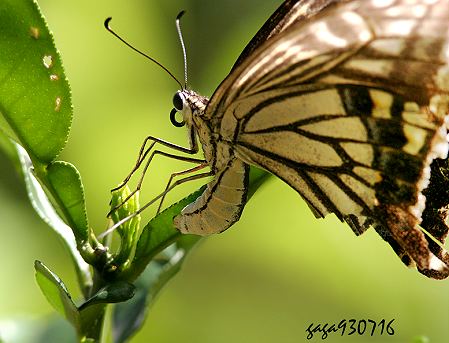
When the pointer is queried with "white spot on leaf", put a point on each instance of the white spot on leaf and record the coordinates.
(48, 61)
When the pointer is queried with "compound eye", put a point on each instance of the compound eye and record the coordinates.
(173, 119)
(178, 101)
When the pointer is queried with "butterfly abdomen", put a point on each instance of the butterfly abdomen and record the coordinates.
(220, 205)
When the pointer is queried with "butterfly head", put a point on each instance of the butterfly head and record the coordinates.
(188, 104)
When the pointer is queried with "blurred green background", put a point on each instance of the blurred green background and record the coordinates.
(264, 280)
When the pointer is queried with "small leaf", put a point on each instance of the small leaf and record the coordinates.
(56, 293)
(66, 183)
(111, 293)
(46, 211)
(158, 234)
(93, 310)
(34, 93)
(122, 207)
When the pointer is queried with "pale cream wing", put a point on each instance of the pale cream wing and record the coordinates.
(348, 108)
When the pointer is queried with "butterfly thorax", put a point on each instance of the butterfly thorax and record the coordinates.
(194, 110)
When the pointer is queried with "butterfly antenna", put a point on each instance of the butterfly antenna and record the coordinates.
(106, 25)
(181, 39)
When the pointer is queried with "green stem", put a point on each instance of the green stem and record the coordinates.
(92, 318)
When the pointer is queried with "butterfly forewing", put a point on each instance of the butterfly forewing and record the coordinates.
(347, 106)
(289, 13)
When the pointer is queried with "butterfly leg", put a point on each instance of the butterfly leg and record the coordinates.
(144, 207)
(183, 172)
(154, 153)
(140, 158)
(191, 150)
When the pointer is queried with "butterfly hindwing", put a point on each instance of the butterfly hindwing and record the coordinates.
(348, 108)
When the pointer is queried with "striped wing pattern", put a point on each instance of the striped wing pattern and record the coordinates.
(348, 108)
(289, 13)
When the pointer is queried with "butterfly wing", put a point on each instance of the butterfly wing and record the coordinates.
(289, 13)
(348, 108)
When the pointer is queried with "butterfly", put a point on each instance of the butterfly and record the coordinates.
(346, 102)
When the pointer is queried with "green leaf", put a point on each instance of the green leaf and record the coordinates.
(34, 93)
(46, 211)
(36, 112)
(128, 231)
(93, 310)
(111, 293)
(158, 234)
(56, 293)
(65, 182)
